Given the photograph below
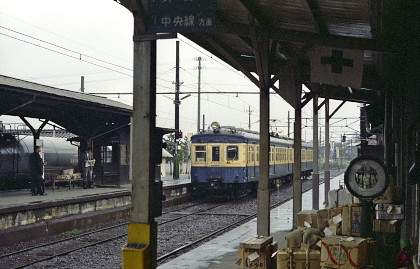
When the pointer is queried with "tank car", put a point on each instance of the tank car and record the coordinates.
(226, 160)
(14, 155)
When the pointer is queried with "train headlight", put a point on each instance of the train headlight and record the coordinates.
(215, 126)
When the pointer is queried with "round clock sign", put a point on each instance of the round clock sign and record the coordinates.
(366, 177)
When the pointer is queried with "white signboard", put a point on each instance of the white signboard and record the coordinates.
(334, 66)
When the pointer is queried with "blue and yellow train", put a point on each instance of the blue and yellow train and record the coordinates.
(227, 160)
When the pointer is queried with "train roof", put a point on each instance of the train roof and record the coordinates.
(244, 135)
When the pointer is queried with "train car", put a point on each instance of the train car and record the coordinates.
(14, 156)
(227, 160)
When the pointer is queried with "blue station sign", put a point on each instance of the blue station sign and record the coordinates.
(178, 16)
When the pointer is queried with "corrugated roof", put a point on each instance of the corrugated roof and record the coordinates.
(251, 33)
(44, 89)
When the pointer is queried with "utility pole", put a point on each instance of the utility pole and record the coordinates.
(82, 84)
(204, 122)
(327, 150)
(199, 89)
(288, 123)
(176, 161)
(249, 116)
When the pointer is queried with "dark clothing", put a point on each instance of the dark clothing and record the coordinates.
(37, 186)
(36, 165)
(87, 169)
(36, 170)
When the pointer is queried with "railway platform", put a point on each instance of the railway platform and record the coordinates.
(24, 197)
(222, 252)
(25, 217)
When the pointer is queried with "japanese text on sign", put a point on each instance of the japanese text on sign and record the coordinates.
(168, 16)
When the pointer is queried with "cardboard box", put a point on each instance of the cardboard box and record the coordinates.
(68, 172)
(294, 238)
(385, 226)
(332, 212)
(322, 218)
(77, 176)
(343, 252)
(333, 229)
(351, 220)
(310, 216)
(298, 259)
(388, 196)
(340, 197)
(389, 211)
(63, 177)
(256, 252)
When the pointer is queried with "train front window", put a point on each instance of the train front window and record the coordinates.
(215, 154)
(200, 153)
(232, 153)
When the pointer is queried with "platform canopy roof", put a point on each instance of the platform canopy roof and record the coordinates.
(279, 37)
(83, 114)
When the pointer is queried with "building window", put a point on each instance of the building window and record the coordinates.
(124, 155)
(107, 154)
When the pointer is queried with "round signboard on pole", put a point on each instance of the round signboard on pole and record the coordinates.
(366, 177)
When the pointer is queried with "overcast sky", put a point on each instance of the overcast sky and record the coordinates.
(56, 42)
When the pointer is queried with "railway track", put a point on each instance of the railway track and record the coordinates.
(33, 255)
(175, 235)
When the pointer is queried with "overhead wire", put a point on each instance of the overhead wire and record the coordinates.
(211, 57)
(112, 64)
(70, 50)
(211, 85)
(68, 55)
(66, 38)
(91, 81)
(67, 75)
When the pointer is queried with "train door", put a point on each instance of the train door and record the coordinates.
(272, 169)
(215, 155)
(251, 162)
(215, 162)
(290, 160)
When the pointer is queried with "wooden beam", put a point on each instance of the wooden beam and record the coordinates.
(313, 9)
(287, 35)
(19, 106)
(256, 12)
(229, 57)
(261, 47)
(335, 111)
(320, 105)
(151, 37)
(297, 155)
(308, 97)
(138, 8)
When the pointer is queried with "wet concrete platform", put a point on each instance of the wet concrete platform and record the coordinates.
(24, 197)
(221, 252)
(25, 217)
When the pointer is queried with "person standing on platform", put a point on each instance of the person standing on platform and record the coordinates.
(36, 168)
(87, 168)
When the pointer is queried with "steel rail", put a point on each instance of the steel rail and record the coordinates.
(94, 243)
(161, 258)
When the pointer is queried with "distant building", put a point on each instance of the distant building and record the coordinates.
(166, 165)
